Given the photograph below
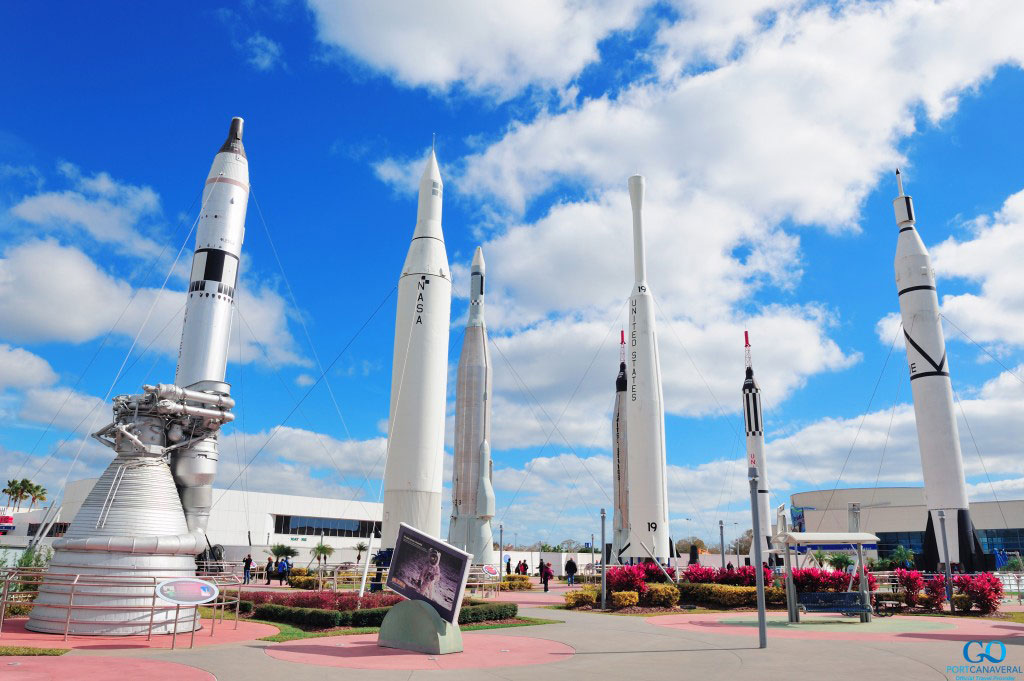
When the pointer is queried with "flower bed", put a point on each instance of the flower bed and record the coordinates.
(324, 600)
(319, 618)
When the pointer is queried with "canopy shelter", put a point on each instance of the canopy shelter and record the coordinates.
(841, 603)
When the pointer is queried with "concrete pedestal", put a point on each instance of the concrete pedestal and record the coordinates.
(416, 626)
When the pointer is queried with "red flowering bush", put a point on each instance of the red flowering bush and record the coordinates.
(936, 590)
(323, 600)
(627, 578)
(653, 573)
(872, 581)
(910, 583)
(985, 590)
(700, 574)
(743, 576)
(810, 580)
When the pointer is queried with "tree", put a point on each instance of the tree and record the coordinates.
(741, 545)
(820, 557)
(22, 492)
(321, 552)
(360, 547)
(903, 557)
(684, 544)
(569, 545)
(36, 493)
(839, 561)
(283, 551)
(11, 491)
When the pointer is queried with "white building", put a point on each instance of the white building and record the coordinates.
(244, 522)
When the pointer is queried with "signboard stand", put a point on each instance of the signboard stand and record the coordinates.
(416, 626)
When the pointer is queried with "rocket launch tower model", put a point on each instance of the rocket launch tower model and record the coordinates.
(620, 462)
(419, 374)
(472, 493)
(754, 425)
(645, 412)
(941, 462)
(145, 519)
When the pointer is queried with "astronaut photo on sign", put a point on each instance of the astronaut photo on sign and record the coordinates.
(427, 569)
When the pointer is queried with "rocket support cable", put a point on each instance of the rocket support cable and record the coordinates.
(885, 447)
(863, 418)
(983, 349)
(980, 458)
(99, 348)
(310, 390)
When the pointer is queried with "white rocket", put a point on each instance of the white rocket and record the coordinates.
(754, 425)
(941, 462)
(620, 462)
(419, 374)
(203, 353)
(645, 412)
(472, 493)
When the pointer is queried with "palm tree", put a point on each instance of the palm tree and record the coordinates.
(360, 547)
(22, 492)
(36, 493)
(901, 556)
(322, 552)
(11, 491)
(839, 561)
(820, 557)
(283, 551)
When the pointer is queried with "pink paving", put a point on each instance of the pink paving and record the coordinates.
(15, 634)
(362, 652)
(88, 668)
(959, 629)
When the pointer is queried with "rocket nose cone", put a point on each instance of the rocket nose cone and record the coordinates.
(478, 260)
(636, 190)
(234, 141)
(431, 173)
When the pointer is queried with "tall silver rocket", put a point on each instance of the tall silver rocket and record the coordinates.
(472, 491)
(145, 520)
(754, 426)
(645, 411)
(419, 374)
(937, 436)
(620, 460)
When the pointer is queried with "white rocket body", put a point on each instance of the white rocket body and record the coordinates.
(645, 412)
(620, 461)
(206, 333)
(754, 425)
(472, 491)
(937, 435)
(419, 375)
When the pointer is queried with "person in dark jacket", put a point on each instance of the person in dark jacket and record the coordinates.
(546, 574)
(269, 568)
(570, 571)
(508, 565)
(247, 569)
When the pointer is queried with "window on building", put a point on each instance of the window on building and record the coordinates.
(327, 527)
(56, 530)
(887, 541)
(1007, 539)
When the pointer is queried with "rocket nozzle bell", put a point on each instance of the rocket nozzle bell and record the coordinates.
(233, 144)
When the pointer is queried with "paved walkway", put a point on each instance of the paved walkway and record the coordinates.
(708, 647)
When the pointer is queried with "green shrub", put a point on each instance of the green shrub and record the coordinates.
(490, 611)
(661, 595)
(244, 607)
(578, 599)
(314, 618)
(18, 609)
(371, 617)
(961, 602)
(625, 599)
(302, 581)
(928, 602)
(298, 572)
(727, 596)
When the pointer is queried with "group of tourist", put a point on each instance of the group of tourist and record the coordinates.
(276, 568)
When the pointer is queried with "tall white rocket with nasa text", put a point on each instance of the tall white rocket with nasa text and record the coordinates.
(645, 412)
(419, 374)
(620, 460)
(937, 436)
(754, 426)
(472, 492)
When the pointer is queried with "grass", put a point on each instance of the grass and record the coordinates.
(24, 650)
(290, 632)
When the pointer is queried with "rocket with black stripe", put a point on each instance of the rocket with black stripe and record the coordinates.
(206, 333)
(754, 425)
(419, 373)
(620, 461)
(938, 439)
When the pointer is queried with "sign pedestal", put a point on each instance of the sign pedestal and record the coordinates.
(416, 626)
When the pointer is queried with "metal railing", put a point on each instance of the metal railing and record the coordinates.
(21, 586)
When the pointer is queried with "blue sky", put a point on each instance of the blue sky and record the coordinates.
(768, 133)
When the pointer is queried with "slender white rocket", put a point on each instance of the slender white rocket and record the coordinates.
(419, 374)
(645, 413)
(203, 353)
(472, 492)
(937, 435)
(620, 462)
(754, 426)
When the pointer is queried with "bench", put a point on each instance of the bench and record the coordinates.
(848, 603)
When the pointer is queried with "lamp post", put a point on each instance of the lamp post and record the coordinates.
(945, 557)
(604, 583)
(501, 546)
(758, 571)
(721, 539)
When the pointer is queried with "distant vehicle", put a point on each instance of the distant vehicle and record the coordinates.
(6, 524)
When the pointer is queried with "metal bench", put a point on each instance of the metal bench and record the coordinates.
(848, 603)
